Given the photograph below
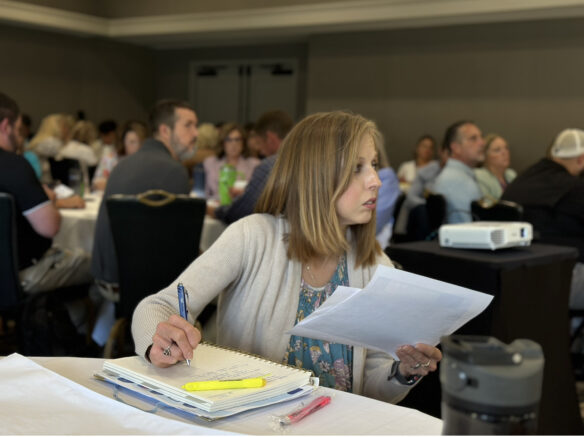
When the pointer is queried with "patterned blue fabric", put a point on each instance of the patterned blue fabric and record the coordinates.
(331, 362)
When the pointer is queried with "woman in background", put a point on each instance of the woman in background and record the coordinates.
(83, 134)
(314, 230)
(232, 151)
(495, 174)
(205, 146)
(134, 133)
(48, 141)
(423, 155)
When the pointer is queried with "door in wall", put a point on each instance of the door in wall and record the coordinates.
(243, 90)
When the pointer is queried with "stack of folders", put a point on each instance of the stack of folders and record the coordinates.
(210, 363)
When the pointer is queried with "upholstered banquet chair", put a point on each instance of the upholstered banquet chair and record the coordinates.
(11, 294)
(36, 324)
(66, 170)
(156, 236)
(424, 220)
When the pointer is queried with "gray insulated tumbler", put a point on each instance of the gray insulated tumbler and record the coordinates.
(489, 387)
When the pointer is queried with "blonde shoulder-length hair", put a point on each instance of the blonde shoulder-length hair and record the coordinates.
(51, 126)
(315, 165)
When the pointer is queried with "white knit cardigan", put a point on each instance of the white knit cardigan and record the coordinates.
(258, 289)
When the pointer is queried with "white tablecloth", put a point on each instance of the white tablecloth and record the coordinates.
(347, 414)
(78, 227)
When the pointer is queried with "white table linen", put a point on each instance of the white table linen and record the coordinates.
(78, 226)
(347, 414)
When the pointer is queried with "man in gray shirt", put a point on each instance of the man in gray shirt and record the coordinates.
(155, 166)
(457, 181)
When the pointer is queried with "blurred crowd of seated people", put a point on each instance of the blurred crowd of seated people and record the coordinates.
(236, 160)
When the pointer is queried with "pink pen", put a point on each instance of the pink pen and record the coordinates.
(300, 414)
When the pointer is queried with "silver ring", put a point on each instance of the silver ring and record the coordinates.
(166, 352)
(417, 366)
(427, 364)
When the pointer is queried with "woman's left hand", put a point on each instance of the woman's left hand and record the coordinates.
(420, 359)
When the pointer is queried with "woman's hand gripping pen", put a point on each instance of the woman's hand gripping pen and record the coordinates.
(173, 341)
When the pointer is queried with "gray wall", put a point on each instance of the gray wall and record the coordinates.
(47, 72)
(172, 66)
(523, 80)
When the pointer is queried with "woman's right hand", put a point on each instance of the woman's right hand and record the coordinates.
(178, 334)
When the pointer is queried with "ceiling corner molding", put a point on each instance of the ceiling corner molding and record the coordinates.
(351, 15)
(43, 17)
(298, 20)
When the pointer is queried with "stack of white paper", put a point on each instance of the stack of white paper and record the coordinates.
(213, 363)
(394, 309)
(37, 401)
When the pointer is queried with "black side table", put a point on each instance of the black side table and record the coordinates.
(531, 287)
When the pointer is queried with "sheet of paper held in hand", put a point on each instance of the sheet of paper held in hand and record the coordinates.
(394, 309)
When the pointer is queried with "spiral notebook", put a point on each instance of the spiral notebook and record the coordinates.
(211, 362)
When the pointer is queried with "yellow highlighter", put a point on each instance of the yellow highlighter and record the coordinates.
(225, 385)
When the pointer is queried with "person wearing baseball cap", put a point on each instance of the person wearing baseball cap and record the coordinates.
(552, 195)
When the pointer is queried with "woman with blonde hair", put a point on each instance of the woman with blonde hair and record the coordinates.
(314, 230)
(83, 134)
(48, 141)
(205, 146)
(494, 175)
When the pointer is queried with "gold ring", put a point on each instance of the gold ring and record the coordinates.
(427, 364)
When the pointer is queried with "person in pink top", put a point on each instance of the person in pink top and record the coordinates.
(232, 152)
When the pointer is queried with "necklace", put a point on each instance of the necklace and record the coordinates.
(310, 273)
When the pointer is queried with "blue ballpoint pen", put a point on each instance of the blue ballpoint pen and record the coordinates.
(182, 305)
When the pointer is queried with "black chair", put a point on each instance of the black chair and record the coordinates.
(503, 210)
(11, 294)
(436, 208)
(61, 169)
(425, 220)
(33, 324)
(156, 236)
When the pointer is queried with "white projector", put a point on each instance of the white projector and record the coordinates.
(486, 235)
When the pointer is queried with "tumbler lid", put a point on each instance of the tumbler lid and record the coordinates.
(485, 372)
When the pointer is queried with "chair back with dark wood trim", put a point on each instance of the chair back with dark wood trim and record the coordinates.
(156, 236)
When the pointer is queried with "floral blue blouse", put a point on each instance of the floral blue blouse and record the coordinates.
(332, 363)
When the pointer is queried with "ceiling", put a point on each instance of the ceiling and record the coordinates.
(296, 22)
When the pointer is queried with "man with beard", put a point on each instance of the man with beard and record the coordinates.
(42, 267)
(155, 166)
